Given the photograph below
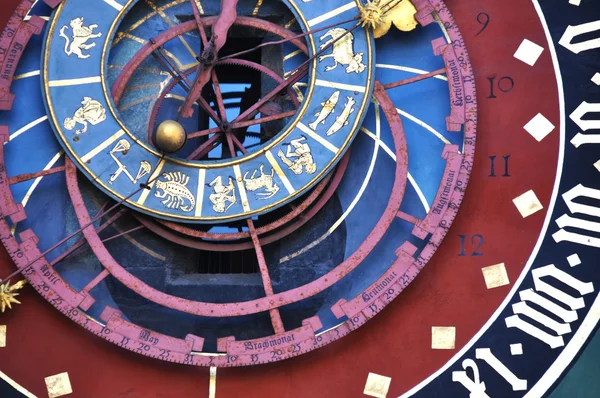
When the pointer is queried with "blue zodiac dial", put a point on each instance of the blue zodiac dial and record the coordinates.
(188, 186)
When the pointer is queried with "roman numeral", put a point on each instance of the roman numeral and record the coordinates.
(577, 223)
(549, 306)
(477, 387)
(573, 31)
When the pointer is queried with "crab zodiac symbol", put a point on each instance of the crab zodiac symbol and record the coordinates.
(81, 34)
(343, 51)
(175, 191)
(222, 194)
(91, 111)
(263, 181)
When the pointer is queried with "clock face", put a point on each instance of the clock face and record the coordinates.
(231, 183)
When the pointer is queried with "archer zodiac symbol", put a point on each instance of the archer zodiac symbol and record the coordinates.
(91, 111)
(263, 181)
(122, 147)
(328, 107)
(81, 34)
(175, 191)
(343, 51)
(299, 151)
(342, 120)
(222, 194)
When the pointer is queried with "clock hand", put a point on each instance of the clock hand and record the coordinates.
(385, 8)
(209, 56)
(415, 79)
(197, 9)
(91, 222)
(181, 78)
(296, 75)
(282, 41)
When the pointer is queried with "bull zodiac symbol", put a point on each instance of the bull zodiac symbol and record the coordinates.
(122, 147)
(343, 51)
(81, 34)
(263, 181)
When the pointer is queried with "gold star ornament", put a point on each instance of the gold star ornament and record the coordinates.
(379, 15)
(8, 294)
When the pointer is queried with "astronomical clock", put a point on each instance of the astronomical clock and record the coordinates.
(299, 198)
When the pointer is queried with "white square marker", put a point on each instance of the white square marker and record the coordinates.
(529, 52)
(516, 349)
(58, 385)
(528, 204)
(573, 260)
(539, 127)
(596, 79)
(443, 337)
(377, 385)
(495, 276)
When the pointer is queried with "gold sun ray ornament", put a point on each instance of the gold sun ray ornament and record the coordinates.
(381, 14)
(8, 294)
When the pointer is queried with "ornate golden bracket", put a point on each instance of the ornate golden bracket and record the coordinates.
(381, 14)
(8, 294)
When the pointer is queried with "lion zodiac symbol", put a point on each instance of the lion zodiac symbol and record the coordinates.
(81, 34)
(343, 51)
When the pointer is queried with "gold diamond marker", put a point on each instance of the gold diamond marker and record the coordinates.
(2, 336)
(443, 337)
(377, 385)
(58, 385)
(528, 204)
(495, 276)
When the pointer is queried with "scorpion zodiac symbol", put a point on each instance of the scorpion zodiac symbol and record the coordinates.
(175, 191)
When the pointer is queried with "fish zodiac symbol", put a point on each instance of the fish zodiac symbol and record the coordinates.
(328, 107)
(342, 120)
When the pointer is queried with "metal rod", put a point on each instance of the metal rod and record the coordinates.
(415, 79)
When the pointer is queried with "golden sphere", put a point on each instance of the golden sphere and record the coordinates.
(170, 136)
